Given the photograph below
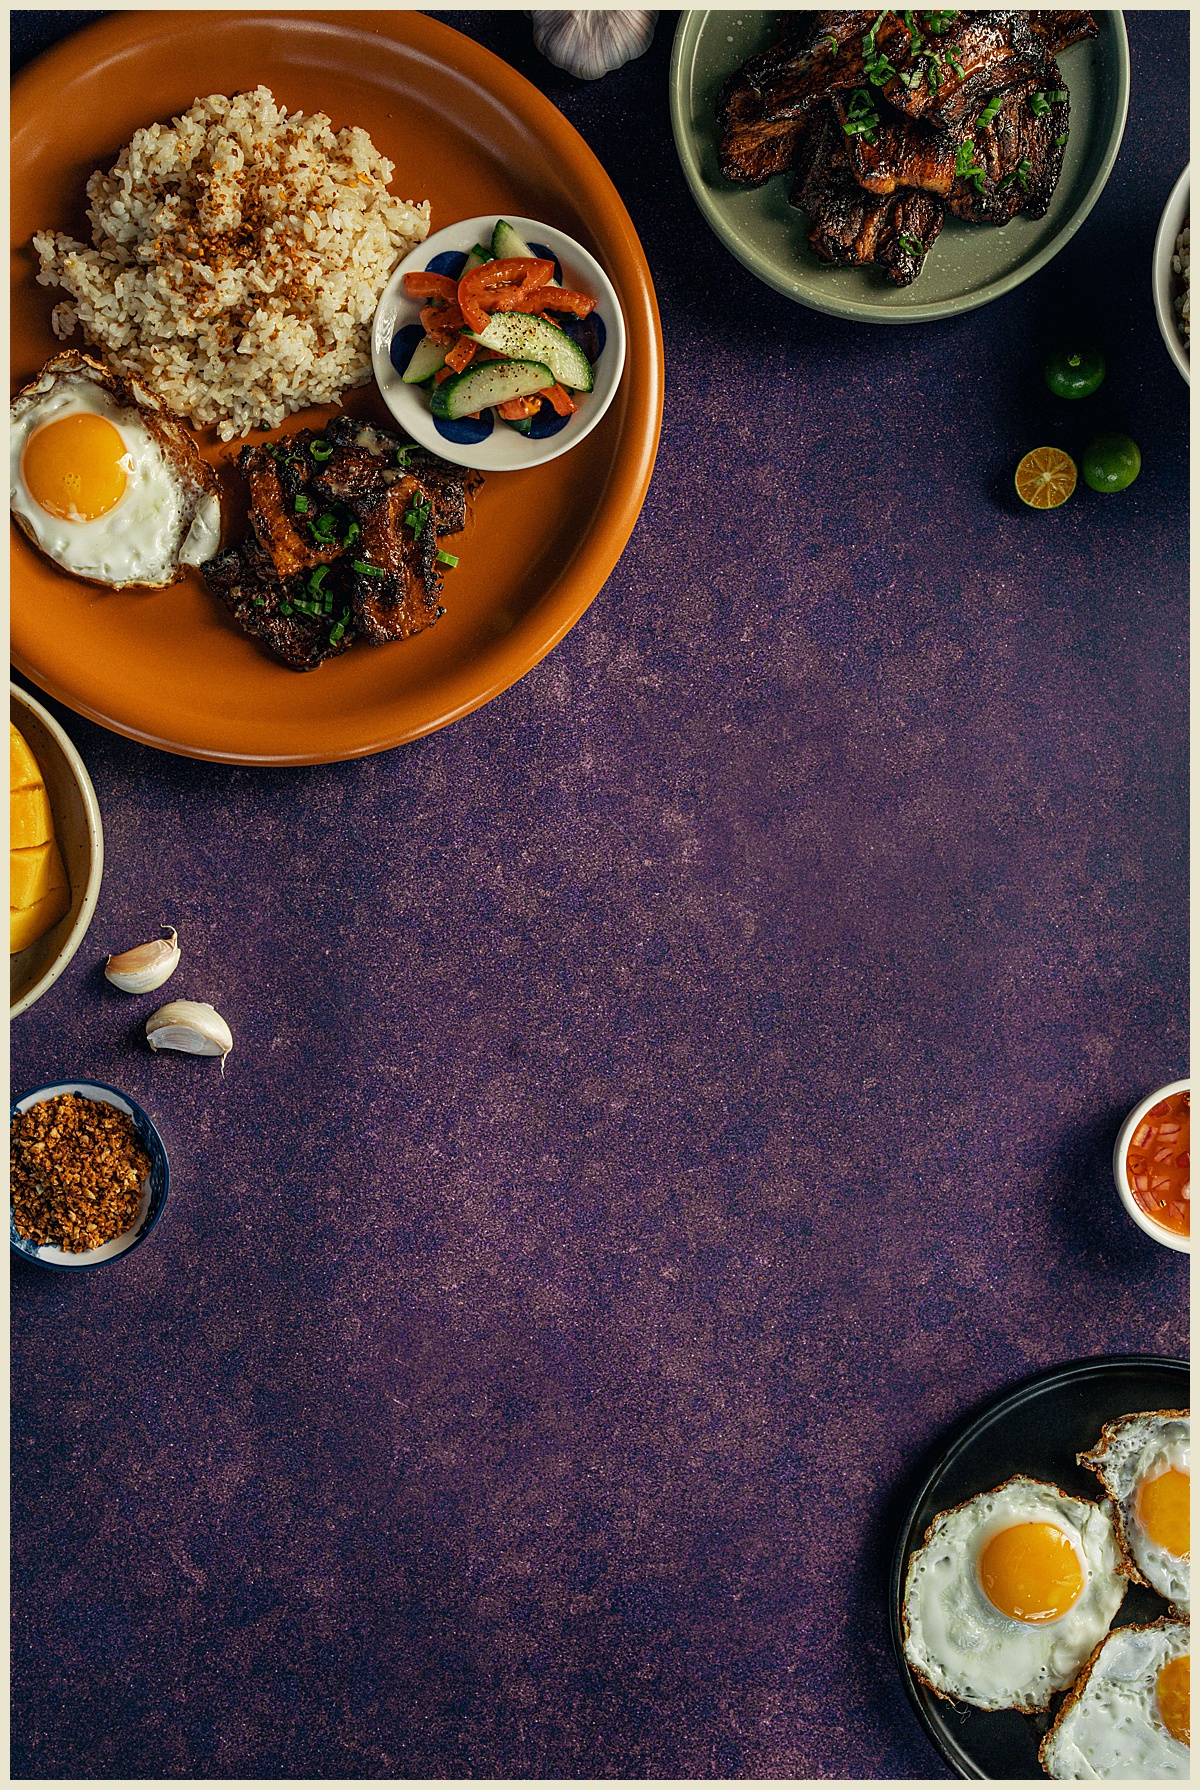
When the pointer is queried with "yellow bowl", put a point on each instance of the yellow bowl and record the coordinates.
(80, 839)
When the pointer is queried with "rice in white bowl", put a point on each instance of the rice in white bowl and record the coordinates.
(1180, 263)
(237, 257)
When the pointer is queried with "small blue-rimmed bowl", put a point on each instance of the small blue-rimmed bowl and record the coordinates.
(154, 1189)
(489, 444)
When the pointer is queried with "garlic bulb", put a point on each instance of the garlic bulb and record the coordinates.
(192, 1026)
(146, 966)
(591, 44)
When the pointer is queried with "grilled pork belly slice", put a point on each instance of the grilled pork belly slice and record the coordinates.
(1060, 30)
(277, 486)
(1021, 153)
(947, 81)
(395, 582)
(264, 605)
(854, 228)
(768, 103)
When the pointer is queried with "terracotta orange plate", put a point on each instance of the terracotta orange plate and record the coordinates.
(472, 136)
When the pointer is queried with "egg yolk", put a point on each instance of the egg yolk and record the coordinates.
(1164, 1511)
(72, 467)
(1174, 1692)
(1031, 1572)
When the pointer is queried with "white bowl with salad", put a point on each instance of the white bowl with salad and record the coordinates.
(498, 343)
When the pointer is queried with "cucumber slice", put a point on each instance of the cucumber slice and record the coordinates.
(427, 357)
(477, 258)
(495, 382)
(506, 243)
(536, 338)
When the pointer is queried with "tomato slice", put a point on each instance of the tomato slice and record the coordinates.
(516, 409)
(505, 285)
(558, 298)
(562, 400)
(441, 321)
(430, 285)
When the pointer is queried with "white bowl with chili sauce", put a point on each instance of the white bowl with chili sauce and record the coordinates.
(1138, 1135)
(501, 448)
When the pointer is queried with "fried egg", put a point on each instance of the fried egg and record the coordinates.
(1129, 1713)
(1009, 1593)
(1144, 1464)
(108, 485)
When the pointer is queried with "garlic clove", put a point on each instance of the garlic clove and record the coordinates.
(592, 43)
(146, 966)
(191, 1026)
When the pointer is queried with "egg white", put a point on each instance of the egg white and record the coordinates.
(1110, 1726)
(961, 1645)
(156, 526)
(1129, 1452)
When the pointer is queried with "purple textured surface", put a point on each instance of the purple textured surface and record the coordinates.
(664, 1103)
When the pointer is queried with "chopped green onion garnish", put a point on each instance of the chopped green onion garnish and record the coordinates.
(447, 559)
(965, 168)
(285, 609)
(1039, 105)
(360, 565)
(910, 245)
(990, 110)
(301, 504)
(1059, 141)
(1021, 172)
(320, 450)
(352, 533)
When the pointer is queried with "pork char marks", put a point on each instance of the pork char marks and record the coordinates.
(1060, 30)
(854, 228)
(946, 80)
(1017, 157)
(344, 540)
(395, 581)
(282, 613)
(767, 105)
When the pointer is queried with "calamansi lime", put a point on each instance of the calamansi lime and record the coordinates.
(1111, 462)
(1075, 372)
(1045, 478)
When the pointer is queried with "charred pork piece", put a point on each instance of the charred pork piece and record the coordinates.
(1059, 30)
(395, 583)
(854, 228)
(897, 154)
(766, 106)
(450, 488)
(303, 619)
(947, 79)
(281, 507)
(913, 225)
(1016, 158)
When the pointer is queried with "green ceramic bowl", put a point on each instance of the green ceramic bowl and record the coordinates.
(969, 264)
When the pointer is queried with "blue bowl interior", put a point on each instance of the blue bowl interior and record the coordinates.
(154, 1189)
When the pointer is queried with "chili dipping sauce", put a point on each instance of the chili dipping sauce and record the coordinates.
(1158, 1163)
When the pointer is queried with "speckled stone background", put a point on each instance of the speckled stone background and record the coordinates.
(664, 1103)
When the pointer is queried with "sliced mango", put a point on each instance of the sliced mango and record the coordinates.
(39, 892)
(23, 771)
(32, 822)
(26, 924)
(34, 873)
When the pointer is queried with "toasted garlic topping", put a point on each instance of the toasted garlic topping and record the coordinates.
(192, 1026)
(146, 966)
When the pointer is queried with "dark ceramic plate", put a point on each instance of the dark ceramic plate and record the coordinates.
(1038, 1428)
